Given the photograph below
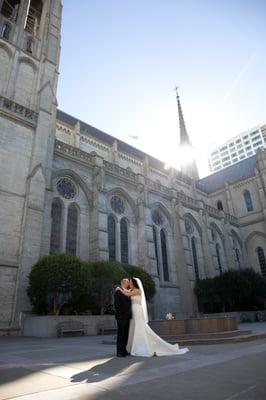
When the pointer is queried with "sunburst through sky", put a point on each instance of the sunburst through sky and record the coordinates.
(121, 60)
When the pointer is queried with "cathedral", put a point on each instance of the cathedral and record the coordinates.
(66, 186)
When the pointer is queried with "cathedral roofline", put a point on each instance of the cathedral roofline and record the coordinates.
(242, 170)
(211, 183)
(121, 146)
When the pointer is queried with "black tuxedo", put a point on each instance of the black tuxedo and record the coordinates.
(122, 315)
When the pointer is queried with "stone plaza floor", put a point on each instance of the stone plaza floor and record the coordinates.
(83, 368)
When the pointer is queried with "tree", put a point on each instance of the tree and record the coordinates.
(148, 283)
(232, 291)
(57, 280)
(104, 276)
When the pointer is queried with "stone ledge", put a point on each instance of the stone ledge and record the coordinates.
(46, 326)
(18, 111)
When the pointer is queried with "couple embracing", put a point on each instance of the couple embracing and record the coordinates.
(134, 335)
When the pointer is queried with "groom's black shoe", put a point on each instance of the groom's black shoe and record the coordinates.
(120, 355)
(127, 353)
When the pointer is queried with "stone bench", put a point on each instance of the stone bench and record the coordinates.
(71, 327)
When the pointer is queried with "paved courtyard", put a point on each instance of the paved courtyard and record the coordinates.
(84, 368)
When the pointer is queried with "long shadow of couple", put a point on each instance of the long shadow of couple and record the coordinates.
(104, 370)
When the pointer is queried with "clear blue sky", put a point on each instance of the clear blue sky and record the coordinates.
(120, 61)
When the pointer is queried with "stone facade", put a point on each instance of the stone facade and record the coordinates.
(174, 228)
(29, 70)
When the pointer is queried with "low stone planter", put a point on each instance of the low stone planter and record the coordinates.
(169, 327)
(243, 316)
(46, 326)
(194, 325)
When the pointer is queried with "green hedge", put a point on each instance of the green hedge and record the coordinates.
(63, 284)
(232, 291)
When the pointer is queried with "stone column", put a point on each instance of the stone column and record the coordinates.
(226, 228)
(207, 256)
(76, 141)
(187, 297)
(114, 153)
(141, 224)
(98, 216)
(262, 194)
(229, 200)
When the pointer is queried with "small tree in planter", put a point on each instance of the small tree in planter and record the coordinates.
(57, 280)
(148, 283)
(104, 276)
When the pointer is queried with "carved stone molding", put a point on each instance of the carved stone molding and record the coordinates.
(18, 111)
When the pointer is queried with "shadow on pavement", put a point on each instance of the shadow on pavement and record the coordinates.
(110, 368)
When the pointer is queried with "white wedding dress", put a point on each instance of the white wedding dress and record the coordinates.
(142, 340)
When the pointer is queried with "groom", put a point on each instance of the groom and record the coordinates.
(122, 315)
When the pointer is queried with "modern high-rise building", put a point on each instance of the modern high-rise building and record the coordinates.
(238, 148)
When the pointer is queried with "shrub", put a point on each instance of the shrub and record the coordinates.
(62, 283)
(231, 291)
(104, 276)
(146, 279)
(58, 280)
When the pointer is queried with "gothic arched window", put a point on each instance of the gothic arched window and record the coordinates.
(10, 9)
(164, 256)
(238, 258)
(262, 260)
(111, 237)
(124, 241)
(195, 257)
(6, 31)
(220, 205)
(218, 257)
(248, 200)
(155, 248)
(72, 227)
(55, 239)
(34, 17)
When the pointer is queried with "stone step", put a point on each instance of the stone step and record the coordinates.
(210, 335)
(208, 341)
(222, 340)
(193, 335)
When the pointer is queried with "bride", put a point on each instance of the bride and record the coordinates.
(142, 340)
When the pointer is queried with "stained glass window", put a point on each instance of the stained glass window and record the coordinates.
(156, 248)
(55, 238)
(262, 260)
(117, 205)
(195, 257)
(218, 257)
(124, 241)
(111, 238)
(248, 200)
(164, 256)
(66, 188)
(72, 225)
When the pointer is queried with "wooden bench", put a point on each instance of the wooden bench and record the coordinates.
(71, 327)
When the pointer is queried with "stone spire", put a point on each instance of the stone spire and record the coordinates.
(184, 139)
(189, 168)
